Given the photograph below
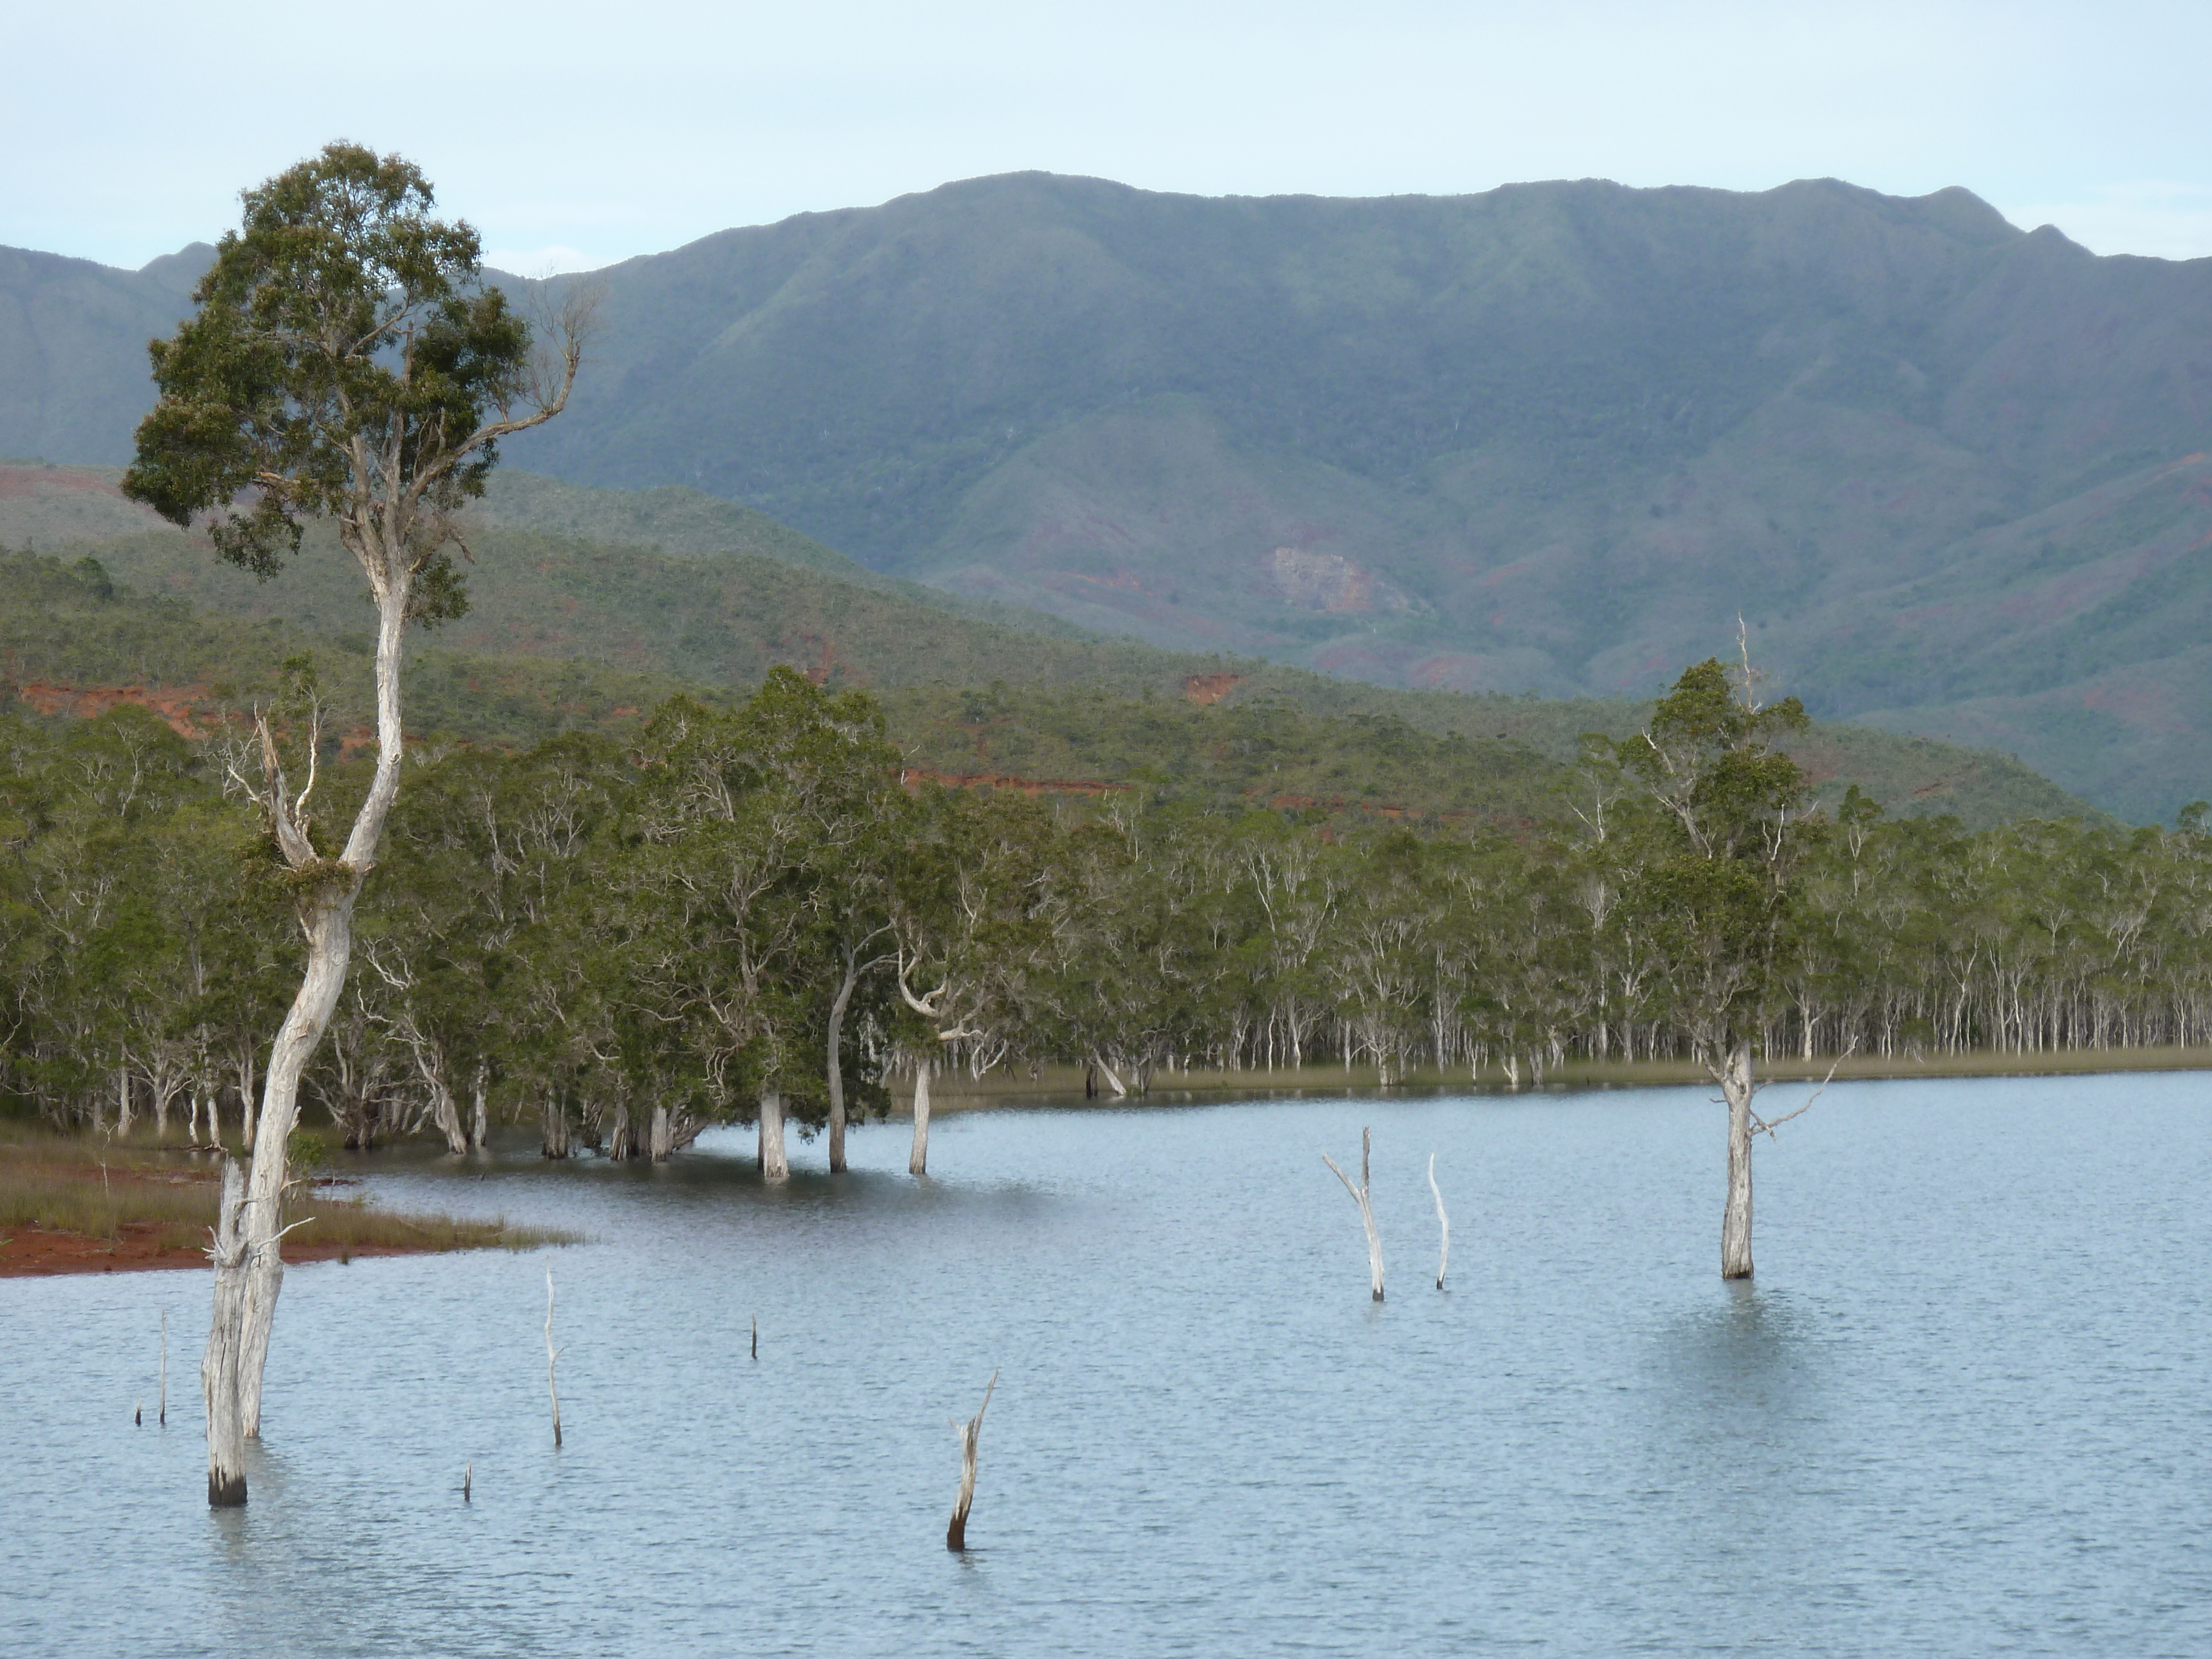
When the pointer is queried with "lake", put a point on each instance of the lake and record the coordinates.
(1963, 1410)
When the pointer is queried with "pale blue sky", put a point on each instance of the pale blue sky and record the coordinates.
(574, 136)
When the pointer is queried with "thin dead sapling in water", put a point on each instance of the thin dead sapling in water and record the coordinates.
(1444, 1225)
(1359, 1196)
(552, 1353)
(955, 1535)
(345, 362)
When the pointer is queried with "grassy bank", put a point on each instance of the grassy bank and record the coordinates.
(75, 1204)
(1062, 1082)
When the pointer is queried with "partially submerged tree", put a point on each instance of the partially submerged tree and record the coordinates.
(345, 364)
(1709, 884)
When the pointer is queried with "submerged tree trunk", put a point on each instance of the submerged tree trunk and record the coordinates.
(971, 1431)
(478, 1126)
(917, 1162)
(664, 1133)
(1735, 1223)
(220, 1365)
(622, 1139)
(554, 1137)
(773, 1164)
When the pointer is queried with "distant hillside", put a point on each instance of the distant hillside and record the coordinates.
(1554, 437)
(46, 506)
(562, 635)
(73, 375)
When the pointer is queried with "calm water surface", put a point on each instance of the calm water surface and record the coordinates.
(1963, 1412)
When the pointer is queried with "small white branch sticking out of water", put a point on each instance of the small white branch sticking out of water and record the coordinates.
(552, 1353)
(1366, 1209)
(1444, 1225)
(468, 1480)
(165, 1368)
(956, 1535)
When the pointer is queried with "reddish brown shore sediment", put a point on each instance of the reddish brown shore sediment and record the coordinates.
(35, 1253)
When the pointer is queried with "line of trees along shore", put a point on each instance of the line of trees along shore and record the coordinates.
(747, 916)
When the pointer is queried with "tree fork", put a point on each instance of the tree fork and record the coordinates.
(1359, 1196)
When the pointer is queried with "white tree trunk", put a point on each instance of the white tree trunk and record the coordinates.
(221, 1364)
(326, 917)
(1112, 1082)
(552, 1353)
(1444, 1225)
(917, 1162)
(773, 1164)
(1736, 1087)
(664, 1133)
(478, 1128)
(330, 946)
(448, 1113)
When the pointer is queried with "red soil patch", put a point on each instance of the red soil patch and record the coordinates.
(181, 707)
(1204, 688)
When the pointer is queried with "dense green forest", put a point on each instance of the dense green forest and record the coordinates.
(621, 940)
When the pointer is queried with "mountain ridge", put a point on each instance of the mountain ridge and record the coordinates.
(1553, 437)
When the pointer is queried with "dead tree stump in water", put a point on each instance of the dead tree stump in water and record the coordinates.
(1443, 1224)
(956, 1535)
(552, 1353)
(1366, 1209)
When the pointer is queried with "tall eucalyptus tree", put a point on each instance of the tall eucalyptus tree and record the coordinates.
(1723, 830)
(345, 363)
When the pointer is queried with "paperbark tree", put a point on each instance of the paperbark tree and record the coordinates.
(345, 364)
(1722, 834)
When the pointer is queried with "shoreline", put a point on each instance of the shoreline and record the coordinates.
(140, 1247)
(1062, 1085)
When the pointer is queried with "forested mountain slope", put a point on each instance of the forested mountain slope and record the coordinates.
(1554, 437)
(563, 636)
